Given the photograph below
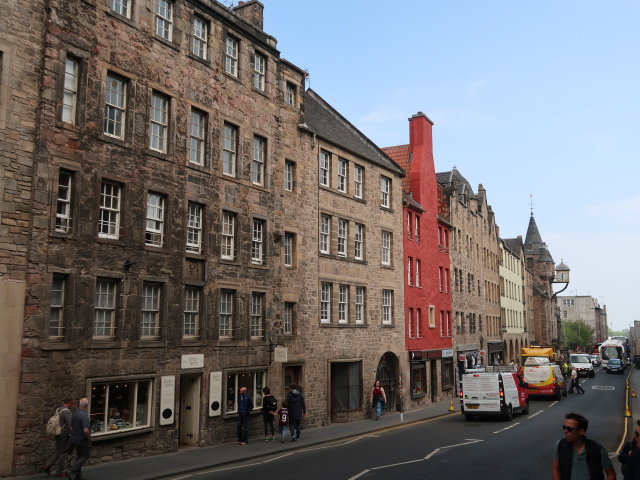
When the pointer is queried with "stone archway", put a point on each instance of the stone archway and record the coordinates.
(388, 373)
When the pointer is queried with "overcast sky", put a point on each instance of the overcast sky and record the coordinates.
(528, 98)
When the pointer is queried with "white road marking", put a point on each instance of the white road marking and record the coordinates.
(359, 475)
(535, 414)
(507, 428)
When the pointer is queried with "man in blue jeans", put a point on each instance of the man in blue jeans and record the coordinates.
(80, 438)
(245, 406)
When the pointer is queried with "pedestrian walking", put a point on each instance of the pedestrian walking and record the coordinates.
(245, 406)
(575, 382)
(576, 457)
(627, 449)
(63, 440)
(80, 439)
(269, 407)
(378, 399)
(283, 419)
(297, 409)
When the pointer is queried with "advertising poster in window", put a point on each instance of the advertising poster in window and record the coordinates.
(167, 399)
(215, 394)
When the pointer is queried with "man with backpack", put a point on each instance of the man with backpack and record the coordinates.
(80, 438)
(269, 408)
(59, 426)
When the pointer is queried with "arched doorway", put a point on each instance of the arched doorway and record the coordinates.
(388, 375)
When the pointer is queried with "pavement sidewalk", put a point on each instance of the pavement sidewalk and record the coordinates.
(199, 458)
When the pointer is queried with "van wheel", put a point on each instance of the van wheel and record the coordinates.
(525, 410)
(508, 415)
(468, 417)
(558, 394)
(592, 374)
(564, 392)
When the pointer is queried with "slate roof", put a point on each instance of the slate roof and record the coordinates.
(514, 245)
(534, 239)
(323, 120)
(454, 178)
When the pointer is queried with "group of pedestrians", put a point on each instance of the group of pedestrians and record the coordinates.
(289, 415)
(75, 434)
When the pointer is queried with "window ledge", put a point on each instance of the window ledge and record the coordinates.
(105, 344)
(56, 346)
(149, 344)
(108, 436)
(344, 325)
(191, 342)
(201, 60)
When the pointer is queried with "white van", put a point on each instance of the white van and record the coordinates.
(582, 362)
(493, 393)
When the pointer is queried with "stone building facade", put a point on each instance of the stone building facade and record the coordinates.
(540, 263)
(173, 254)
(22, 25)
(427, 285)
(513, 297)
(586, 309)
(475, 282)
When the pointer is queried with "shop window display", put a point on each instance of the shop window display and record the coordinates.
(254, 381)
(120, 406)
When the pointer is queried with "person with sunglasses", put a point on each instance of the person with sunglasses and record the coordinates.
(630, 456)
(576, 457)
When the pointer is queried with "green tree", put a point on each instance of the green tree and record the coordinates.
(621, 333)
(577, 334)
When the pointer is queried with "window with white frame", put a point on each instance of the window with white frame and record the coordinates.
(358, 239)
(432, 316)
(386, 248)
(568, 302)
(289, 239)
(115, 105)
(197, 127)
(325, 168)
(387, 307)
(63, 203)
(158, 122)
(259, 71)
(441, 279)
(360, 299)
(257, 243)
(409, 274)
(256, 327)
(119, 405)
(227, 243)
(325, 302)
(253, 381)
(385, 192)
(194, 228)
(121, 7)
(199, 29)
(70, 93)
(56, 308)
(409, 226)
(290, 94)
(410, 321)
(229, 147)
(343, 168)
(343, 227)
(418, 323)
(418, 281)
(150, 311)
(109, 221)
(164, 19)
(289, 175)
(191, 321)
(358, 181)
(289, 311)
(225, 313)
(325, 233)
(343, 304)
(259, 155)
(442, 325)
(104, 317)
(154, 234)
(231, 56)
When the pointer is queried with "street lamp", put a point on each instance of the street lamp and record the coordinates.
(562, 276)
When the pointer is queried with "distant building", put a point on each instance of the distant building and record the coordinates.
(427, 279)
(513, 297)
(586, 309)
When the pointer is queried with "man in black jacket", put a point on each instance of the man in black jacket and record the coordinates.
(297, 409)
(577, 457)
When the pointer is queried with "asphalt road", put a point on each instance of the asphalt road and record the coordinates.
(452, 447)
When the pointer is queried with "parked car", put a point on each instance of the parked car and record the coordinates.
(596, 361)
(615, 365)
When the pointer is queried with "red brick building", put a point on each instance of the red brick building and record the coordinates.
(427, 286)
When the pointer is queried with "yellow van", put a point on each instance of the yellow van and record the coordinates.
(544, 378)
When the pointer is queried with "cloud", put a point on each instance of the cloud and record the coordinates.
(473, 90)
(630, 205)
